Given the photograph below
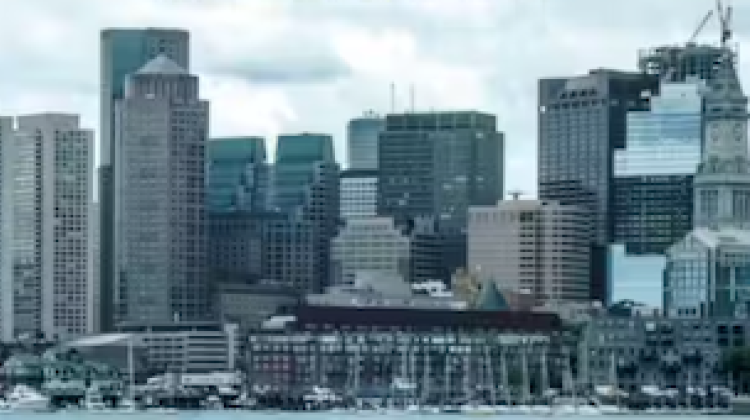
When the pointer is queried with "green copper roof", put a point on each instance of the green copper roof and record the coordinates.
(490, 299)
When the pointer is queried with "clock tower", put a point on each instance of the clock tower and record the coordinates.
(722, 182)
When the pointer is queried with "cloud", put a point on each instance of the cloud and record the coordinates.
(271, 66)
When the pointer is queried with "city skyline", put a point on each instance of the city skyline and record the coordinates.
(487, 55)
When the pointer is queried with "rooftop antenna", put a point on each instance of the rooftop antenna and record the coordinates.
(516, 194)
(411, 98)
(393, 97)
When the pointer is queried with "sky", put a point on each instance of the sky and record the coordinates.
(285, 66)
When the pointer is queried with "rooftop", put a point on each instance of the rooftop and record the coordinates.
(162, 65)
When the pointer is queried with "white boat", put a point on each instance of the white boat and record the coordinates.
(25, 398)
(478, 409)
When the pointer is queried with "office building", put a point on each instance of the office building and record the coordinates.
(358, 193)
(653, 194)
(582, 121)
(362, 141)
(292, 257)
(305, 187)
(235, 251)
(439, 163)
(373, 245)
(160, 204)
(708, 271)
(517, 244)
(238, 175)
(123, 52)
(47, 191)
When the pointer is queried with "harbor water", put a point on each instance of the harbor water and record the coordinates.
(280, 415)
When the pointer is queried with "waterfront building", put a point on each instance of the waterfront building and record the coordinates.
(582, 121)
(188, 347)
(653, 194)
(516, 244)
(371, 244)
(123, 52)
(47, 199)
(238, 175)
(362, 135)
(402, 353)
(160, 201)
(647, 350)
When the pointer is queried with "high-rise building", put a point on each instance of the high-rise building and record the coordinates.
(373, 244)
(439, 163)
(653, 194)
(123, 52)
(517, 244)
(362, 136)
(436, 165)
(160, 205)
(305, 187)
(47, 204)
(358, 193)
(582, 121)
(708, 272)
(238, 175)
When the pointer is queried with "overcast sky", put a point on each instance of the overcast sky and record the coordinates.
(271, 66)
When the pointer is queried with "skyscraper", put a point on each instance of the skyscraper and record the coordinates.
(306, 189)
(708, 272)
(362, 141)
(123, 52)
(238, 175)
(436, 165)
(160, 205)
(653, 194)
(582, 121)
(439, 163)
(47, 179)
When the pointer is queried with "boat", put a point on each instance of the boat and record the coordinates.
(25, 398)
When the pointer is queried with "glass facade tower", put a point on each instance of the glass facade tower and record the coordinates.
(238, 175)
(653, 193)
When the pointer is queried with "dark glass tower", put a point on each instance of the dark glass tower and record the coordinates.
(582, 121)
(435, 165)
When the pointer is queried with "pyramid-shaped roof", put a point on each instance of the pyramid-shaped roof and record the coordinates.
(490, 299)
(162, 65)
(725, 84)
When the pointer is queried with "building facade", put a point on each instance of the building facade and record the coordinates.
(358, 193)
(678, 63)
(47, 227)
(666, 352)
(160, 205)
(708, 271)
(517, 245)
(401, 354)
(582, 121)
(238, 175)
(306, 189)
(362, 135)
(438, 164)
(653, 187)
(373, 244)
(123, 52)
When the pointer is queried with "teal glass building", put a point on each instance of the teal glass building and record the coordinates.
(238, 175)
